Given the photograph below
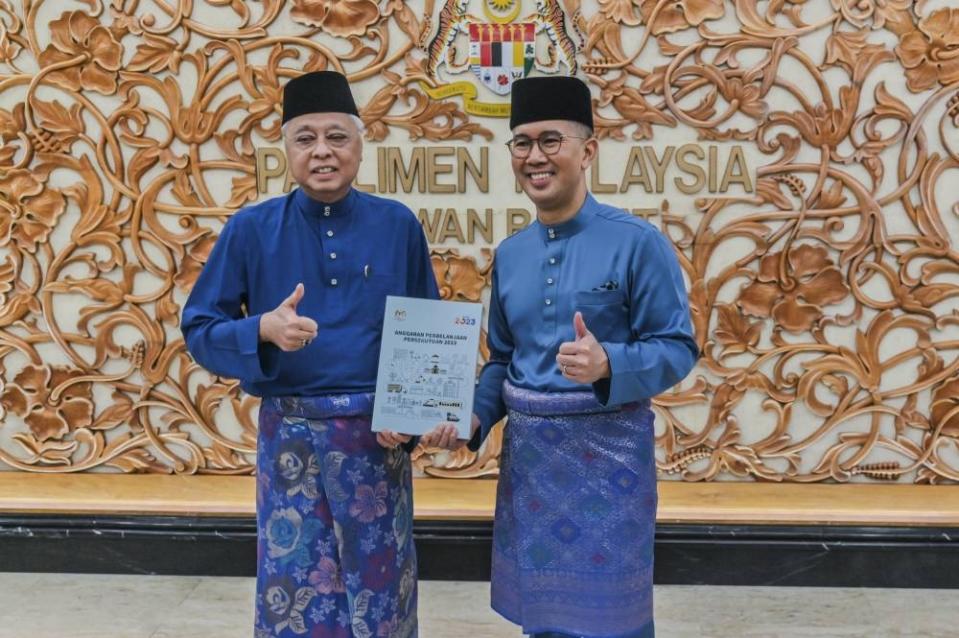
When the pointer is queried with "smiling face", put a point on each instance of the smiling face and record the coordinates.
(555, 183)
(323, 151)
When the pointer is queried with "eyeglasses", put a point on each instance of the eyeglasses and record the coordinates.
(549, 143)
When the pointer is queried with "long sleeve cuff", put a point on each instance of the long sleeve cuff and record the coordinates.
(621, 386)
(476, 440)
(260, 360)
(410, 445)
(488, 417)
(601, 389)
(488, 403)
(644, 369)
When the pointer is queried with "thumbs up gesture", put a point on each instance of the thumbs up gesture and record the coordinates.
(286, 329)
(584, 360)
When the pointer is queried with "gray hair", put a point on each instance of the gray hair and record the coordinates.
(357, 123)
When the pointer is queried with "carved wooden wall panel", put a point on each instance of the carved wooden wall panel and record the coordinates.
(824, 299)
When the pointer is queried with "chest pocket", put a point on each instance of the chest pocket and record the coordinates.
(374, 290)
(605, 312)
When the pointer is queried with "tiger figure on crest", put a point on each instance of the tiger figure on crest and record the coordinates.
(549, 19)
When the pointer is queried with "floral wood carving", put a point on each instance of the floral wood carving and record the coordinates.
(825, 303)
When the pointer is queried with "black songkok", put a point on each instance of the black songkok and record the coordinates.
(550, 98)
(317, 92)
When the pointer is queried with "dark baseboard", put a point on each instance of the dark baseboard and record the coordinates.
(824, 556)
(807, 556)
(170, 545)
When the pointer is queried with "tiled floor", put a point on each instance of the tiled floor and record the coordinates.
(86, 606)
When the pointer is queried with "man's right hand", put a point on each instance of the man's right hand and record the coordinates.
(284, 328)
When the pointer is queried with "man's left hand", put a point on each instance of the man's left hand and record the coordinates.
(445, 434)
(390, 439)
(584, 360)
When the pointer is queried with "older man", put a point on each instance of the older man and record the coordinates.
(291, 303)
(588, 320)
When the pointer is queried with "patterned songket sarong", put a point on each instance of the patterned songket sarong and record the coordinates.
(335, 554)
(575, 516)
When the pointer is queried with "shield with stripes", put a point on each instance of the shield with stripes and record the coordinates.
(502, 53)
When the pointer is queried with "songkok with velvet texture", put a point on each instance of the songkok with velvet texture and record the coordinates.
(317, 92)
(550, 98)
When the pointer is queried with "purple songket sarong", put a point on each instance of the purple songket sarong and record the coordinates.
(335, 518)
(575, 516)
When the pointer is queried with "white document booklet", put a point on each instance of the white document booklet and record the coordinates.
(427, 369)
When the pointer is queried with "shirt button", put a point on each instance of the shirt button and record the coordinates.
(333, 282)
(332, 255)
(326, 211)
(549, 281)
(552, 260)
(552, 233)
(329, 233)
(548, 302)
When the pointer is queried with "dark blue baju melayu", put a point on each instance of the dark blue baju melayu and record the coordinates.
(334, 509)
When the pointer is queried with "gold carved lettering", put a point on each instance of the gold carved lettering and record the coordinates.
(465, 164)
(434, 167)
(595, 185)
(690, 168)
(425, 169)
(659, 165)
(473, 224)
(741, 176)
(263, 169)
(397, 170)
(630, 177)
(516, 220)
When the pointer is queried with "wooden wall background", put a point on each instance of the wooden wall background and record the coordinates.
(825, 303)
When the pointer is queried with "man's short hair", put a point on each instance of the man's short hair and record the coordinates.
(581, 130)
(578, 129)
(357, 122)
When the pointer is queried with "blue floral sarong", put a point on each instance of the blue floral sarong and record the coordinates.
(575, 516)
(335, 555)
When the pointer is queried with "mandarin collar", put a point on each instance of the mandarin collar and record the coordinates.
(316, 208)
(572, 225)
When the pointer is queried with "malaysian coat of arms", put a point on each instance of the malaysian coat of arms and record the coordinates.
(502, 46)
